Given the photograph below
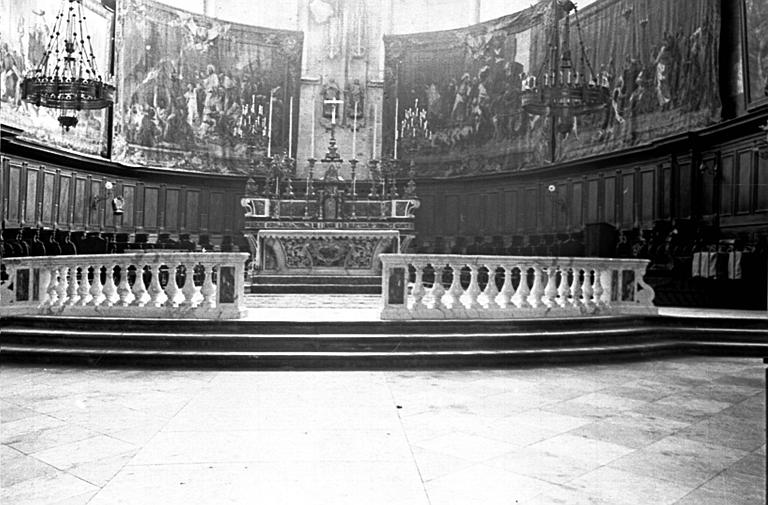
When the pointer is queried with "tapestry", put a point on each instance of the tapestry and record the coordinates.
(196, 93)
(453, 98)
(25, 27)
(756, 28)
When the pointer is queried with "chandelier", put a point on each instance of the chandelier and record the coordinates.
(560, 90)
(66, 78)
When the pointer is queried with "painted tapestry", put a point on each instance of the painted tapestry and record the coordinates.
(756, 27)
(24, 33)
(457, 94)
(194, 92)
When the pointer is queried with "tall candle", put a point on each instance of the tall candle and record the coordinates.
(375, 127)
(269, 131)
(354, 134)
(290, 128)
(312, 138)
(397, 110)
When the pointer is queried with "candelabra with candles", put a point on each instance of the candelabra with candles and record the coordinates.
(414, 127)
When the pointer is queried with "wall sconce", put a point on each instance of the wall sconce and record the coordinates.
(117, 201)
(556, 198)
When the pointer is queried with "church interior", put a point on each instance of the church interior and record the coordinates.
(383, 251)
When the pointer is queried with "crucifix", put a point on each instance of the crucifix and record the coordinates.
(333, 103)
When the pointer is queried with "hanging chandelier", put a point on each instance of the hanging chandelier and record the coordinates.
(66, 78)
(561, 90)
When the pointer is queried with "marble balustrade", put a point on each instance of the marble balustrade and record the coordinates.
(446, 286)
(138, 284)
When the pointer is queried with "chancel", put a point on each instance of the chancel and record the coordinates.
(383, 251)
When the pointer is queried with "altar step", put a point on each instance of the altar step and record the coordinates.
(370, 344)
(315, 284)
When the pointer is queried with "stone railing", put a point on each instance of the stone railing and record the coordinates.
(142, 284)
(422, 286)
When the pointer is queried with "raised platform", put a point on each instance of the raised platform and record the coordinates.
(344, 332)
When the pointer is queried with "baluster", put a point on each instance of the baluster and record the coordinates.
(520, 298)
(438, 290)
(507, 290)
(576, 291)
(72, 287)
(491, 291)
(61, 286)
(455, 291)
(474, 288)
(608, 291)
(597, 288)
(209, 289)
(537, 291)
(52, 299)
(140, 293)
(156, 295)
(84, 291)
(563, 288)
(586, 289)
(125, 296)
(550, 291)
(418, 290)
(97, 288)
(172, 288)
(110, 290)
(189, 291)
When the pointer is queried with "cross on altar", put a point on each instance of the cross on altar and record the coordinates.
(334, 103)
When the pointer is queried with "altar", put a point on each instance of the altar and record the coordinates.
(328, 229)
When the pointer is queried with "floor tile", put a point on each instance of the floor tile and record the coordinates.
(84, 451)
(729, 431)
(273, 445)
(630, 429)
(18, 467)
(485, 485)
(587, 449)
(676, 459)
(617, 487)
(273, 483)
(728, 488)
(543, 465)
(467, 446)
(548, 420)
(45, 490)
(433, 464)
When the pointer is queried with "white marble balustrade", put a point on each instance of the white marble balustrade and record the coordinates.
(137, 284)
(447, 286)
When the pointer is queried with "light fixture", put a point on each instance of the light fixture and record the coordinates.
(117, 201)
(66, 78)
(554, 196)
(560, 90)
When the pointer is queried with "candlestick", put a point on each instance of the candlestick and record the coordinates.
(290, 128)
(354, 133)
(269, 131)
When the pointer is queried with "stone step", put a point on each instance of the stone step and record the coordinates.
(311, 288)
(373, 280)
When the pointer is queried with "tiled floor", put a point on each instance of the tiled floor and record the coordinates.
(684, 431)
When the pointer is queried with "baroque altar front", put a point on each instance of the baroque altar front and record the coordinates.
(328, 228)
